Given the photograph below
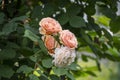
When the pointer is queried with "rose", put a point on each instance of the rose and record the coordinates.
(63, 56)
(49, 26)
(50, 43)
(68, 39)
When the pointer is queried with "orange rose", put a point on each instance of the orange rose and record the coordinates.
(50, 43)
(68, 39)
(49, 26)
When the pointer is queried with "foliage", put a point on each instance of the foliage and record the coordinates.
(23, 55)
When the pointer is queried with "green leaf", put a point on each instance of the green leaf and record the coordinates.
(47, 63)
(43, 78)
(59, 71)
(92, 68)
(102, 20)
(21, 18)
(25, 51)
(29, 34)
(6, 71)
(37, 12)
(74, 66)
(25, 42)
(86, 37)
(92, 24)
(110, 57)
(2, 33)
(116, 40)
(42, 46)
(113, 51)
(97, 51)
(30, 27)
(77, 22)
(1, 18)
(107, 34)
(69, 75)
(90, 10)
(91, 73)
(54, 77)
(106, 11)
(25, 69)
(115, 24)
(48, 9)
(7, 54)
(73, 10)
(98, 65)
(63, 19)
(12, 45)
(9, 27)
(43, 75)
(84, 57)
(33, 77)
(34, 59)
(11, 10)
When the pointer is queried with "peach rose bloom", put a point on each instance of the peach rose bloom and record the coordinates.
(50, 43)
(68, 39)
(49, 26)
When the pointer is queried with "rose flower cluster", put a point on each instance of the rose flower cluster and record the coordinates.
(60, 43)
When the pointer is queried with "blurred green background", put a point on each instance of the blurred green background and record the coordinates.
(109, 70)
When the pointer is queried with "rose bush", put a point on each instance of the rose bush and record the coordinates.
(25, 56)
